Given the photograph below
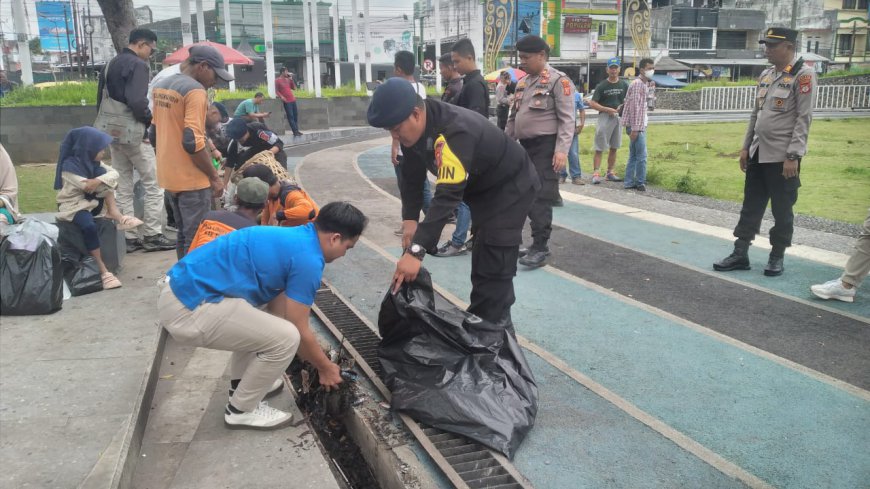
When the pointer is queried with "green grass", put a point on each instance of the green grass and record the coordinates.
(698, 85)
(853, 71)
(696, 158)
(63, 94)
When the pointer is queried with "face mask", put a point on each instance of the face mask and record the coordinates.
(649, 73)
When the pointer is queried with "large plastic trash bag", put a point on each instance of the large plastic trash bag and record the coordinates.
(451, 370)
(83, 276)
(31, 278)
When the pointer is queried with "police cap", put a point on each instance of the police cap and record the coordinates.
(776, 35)
(236, 128)
(392, 103)
(532, 44)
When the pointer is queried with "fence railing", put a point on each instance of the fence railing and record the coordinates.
(827, 97)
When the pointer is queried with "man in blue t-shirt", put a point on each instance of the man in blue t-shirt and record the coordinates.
(215, 294)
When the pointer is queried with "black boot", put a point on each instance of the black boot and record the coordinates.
(774, 266)
(535, 257)
(737, 260)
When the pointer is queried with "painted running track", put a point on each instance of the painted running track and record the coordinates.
(653, 371)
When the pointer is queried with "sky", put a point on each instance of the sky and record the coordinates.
(165, 9)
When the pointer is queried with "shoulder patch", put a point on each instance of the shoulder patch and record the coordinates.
(450, 169)
(267, 136)
(806, 84)
(566, 87)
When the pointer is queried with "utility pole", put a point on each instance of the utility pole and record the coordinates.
(270, 47)
(68, 40)
(438, 44)
(200, 22)
(315, 41)
(336, 45)
(306, 23)
(79, 53)
(794, 9)
(20, 26)
(355, 43)
(228, 38)
(516, 30)
(186, 35)
(367, 41)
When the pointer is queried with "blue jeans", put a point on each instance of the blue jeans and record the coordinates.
(635, 169)
(292, 116)
(427, 187)
(463, 222)
(573, 161)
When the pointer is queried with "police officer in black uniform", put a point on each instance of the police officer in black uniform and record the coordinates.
(475, 162)
(250, 138)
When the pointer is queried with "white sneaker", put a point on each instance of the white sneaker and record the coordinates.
(276, 387)
(264, 417)
(834, 289)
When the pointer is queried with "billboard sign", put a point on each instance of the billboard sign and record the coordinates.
(527, 22)
(389, 35)
(54, 18)
(575, 24)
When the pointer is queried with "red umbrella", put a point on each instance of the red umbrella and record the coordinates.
(231, 56)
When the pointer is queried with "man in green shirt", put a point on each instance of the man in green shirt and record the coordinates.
(249, 109)
(607, 100)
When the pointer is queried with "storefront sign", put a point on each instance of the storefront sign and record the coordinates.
(575, 24)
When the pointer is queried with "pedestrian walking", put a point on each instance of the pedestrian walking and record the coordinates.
(607, 99)
(125, 80)
(475, 161)
(184, 165)
(542, 120)
(775, 144)
(635, 119)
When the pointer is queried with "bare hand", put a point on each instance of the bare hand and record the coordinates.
(559, 161)
(406, 271)
(409, 227)
(744, 160)
(330, 376)
(217, 187)
(633, 135)
(615, 111)
(578, 129)
(91, 185)
(790, 168)
(394, 155)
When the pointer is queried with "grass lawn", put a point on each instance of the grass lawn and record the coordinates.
(701, 158)
(694, 158)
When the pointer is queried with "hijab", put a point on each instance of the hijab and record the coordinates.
(78, 152)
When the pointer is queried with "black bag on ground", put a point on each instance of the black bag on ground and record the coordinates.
(451, 370)
(31, 282)
(73, 249)
(83, 276)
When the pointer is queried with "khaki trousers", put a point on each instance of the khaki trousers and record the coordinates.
(262, 344)
(140, 157)
(859, 263)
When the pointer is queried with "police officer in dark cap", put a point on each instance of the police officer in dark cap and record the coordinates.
(775, 143)
(542, 119)
(474, 161)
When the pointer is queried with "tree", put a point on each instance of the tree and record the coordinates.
(35, 45)
(120, 19)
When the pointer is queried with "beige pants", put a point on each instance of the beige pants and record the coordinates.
(262, 344)
(139, 157)
(859, 263)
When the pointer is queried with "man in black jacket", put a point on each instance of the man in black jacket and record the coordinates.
(475, 162)
(126, 80)
(475, 93)
(247, 139)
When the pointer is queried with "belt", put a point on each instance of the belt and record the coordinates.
(537, 139)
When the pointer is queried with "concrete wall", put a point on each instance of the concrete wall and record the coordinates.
(678, 100)
(33, 134)
(846, 80)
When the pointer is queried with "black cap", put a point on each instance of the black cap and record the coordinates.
(532, 44)
(213, 57)
(776, 35)
(236, 128)
(392, 103)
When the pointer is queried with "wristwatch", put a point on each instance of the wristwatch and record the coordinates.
(792, 156)
(416, 251)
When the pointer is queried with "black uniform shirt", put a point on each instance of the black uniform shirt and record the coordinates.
(127, 82)
(474, 161)
(475, 94)
(260, 138)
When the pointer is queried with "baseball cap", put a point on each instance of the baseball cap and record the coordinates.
(776, 35)
(236, 128)
(614, 61)
(213, 57)
(252, 190)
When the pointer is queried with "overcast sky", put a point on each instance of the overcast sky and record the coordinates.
(165, 9)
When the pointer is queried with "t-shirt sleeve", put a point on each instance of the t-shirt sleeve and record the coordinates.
(195, 109)
(304, 279)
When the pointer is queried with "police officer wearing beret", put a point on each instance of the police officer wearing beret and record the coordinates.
(474, 161)
(542, 119)
(775, 142)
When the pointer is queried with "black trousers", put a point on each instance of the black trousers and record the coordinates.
(494, 263)
(501, 113)
(764, 182)
(541, 150)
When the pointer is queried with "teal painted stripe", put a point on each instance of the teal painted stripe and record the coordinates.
(782, 426)
(680, 246)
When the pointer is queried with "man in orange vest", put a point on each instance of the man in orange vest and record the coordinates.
(251, 194)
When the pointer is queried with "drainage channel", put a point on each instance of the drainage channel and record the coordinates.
(467, 464)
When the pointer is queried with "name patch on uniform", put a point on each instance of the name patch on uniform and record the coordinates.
(450, 169)
(566, 87)
(806, 83)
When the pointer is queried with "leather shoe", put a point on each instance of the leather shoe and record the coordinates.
(774, 267)
(133, 245)
(535, 258)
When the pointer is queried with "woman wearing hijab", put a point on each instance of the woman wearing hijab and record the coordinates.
(87, 191)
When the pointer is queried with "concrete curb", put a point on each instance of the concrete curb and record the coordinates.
(330, 135)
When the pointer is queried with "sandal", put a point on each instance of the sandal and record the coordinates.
(127, 223)
(110, 281)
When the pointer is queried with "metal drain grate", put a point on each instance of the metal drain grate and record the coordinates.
(466, 463)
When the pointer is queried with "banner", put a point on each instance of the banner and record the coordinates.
(389, 35)
(527, 22)
(53, 19)
(575, 24)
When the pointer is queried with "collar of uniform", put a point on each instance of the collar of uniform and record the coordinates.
(433, 111)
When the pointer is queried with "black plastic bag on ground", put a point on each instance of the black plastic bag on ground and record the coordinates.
(73, 249)
(451, 370)
(31, 280)
(83, 276)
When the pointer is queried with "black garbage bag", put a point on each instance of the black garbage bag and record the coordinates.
(451, 370)
(31, 279)
(82, 276)
(73, 249)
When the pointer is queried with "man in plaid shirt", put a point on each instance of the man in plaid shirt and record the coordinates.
(635, 120)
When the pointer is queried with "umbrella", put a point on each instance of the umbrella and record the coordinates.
(516, 74)
(231, 56)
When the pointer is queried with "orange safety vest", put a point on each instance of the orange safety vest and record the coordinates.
(208, 231)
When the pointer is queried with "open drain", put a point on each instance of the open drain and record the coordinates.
(467, 464)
